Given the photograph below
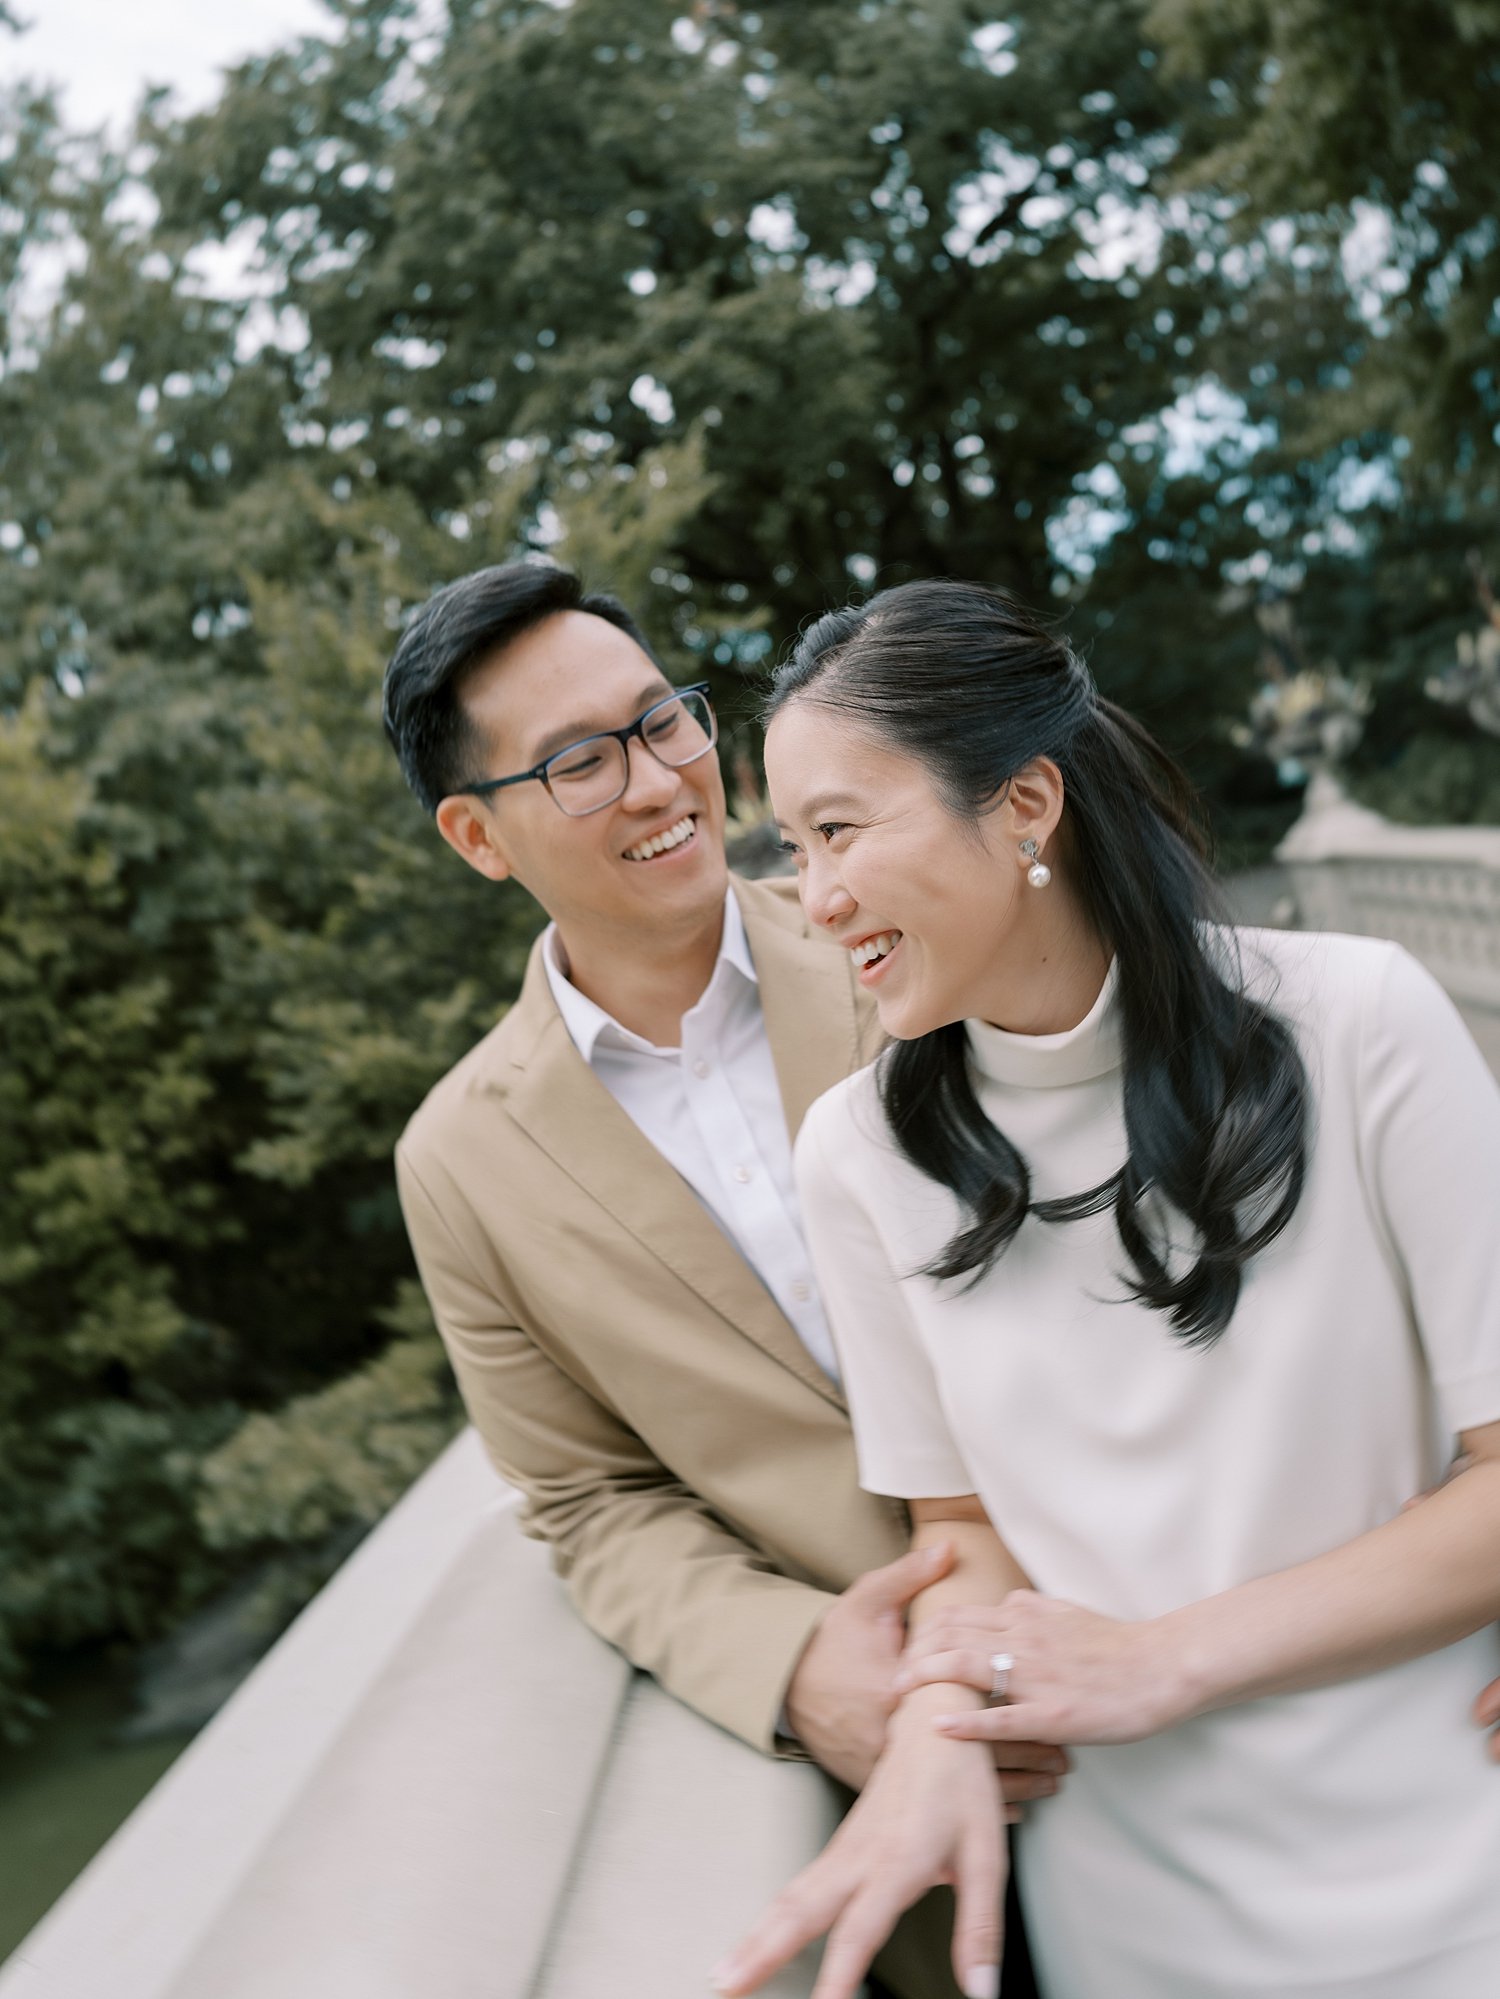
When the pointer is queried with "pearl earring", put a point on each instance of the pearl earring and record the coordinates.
(1038, 874)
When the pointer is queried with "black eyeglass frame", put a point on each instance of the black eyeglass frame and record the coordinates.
(632, 730)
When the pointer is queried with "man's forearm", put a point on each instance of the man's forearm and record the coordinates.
(686, 1600)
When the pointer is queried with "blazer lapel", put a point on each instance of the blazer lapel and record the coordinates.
(816, 1026)
(563, 1107)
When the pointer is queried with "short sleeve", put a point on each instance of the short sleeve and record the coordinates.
(1430, 1115)
(901, 1437)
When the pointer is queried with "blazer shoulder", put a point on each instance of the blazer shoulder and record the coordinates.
(774, 897)
(445, 1102)
(490, 1064)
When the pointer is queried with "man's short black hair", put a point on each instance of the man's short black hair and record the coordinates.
(438, 747)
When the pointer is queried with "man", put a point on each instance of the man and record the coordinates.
(600, 1194)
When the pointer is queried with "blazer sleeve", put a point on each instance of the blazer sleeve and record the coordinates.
(649, 1566)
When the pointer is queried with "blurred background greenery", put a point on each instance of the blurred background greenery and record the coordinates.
(1160, 312)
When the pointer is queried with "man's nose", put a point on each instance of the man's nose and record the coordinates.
(648, 780)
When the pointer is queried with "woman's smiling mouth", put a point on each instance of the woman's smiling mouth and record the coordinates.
(871, 953)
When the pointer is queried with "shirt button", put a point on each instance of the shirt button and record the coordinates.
(701, 1069)
(801, 1291)
(742, 1174)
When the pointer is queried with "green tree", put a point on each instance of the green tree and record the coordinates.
(1351, 147)
(739, 311)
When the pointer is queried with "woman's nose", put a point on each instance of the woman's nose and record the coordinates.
(824, 897)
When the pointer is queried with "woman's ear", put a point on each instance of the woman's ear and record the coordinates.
(469, 831)
(1034, 802)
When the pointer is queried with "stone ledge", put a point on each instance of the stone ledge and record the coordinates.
(439, 1782)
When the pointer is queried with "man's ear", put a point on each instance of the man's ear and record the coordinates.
(470, 831)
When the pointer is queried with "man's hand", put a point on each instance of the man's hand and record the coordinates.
(842, 1696)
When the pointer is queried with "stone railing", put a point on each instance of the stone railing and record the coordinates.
(438, 1785)
(1435, 889)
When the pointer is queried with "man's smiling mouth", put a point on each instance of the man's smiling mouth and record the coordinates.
(663, 843)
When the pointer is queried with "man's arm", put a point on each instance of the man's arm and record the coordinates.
(649, 1565)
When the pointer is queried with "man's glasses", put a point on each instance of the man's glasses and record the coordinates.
(587, 776)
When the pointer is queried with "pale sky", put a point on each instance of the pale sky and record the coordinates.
(103, 53)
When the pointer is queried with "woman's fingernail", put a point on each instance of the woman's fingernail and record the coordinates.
(983, 1982)
(901, 1682)
(945, 1723)
(722, 1975)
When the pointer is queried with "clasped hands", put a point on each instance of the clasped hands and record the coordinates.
(953, 1765)
(844, 1691)
(931, 1811)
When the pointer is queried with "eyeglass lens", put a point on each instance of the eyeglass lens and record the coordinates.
(595, 773)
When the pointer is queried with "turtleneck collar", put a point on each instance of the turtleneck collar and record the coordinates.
(1051, 1061)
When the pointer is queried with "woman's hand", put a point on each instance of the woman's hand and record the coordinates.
(930, 1815)
(1075, 1676)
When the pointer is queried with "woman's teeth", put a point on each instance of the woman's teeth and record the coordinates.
(875, 948)
(673, 837)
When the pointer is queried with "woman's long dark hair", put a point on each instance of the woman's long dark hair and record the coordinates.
(975, 687)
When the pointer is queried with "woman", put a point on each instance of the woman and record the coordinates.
(1163, 1266)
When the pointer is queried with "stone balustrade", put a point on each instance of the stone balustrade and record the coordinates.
(438, 1785)
(1435, 889)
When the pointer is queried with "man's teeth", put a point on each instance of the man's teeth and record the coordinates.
(673, 837)
(875, 948)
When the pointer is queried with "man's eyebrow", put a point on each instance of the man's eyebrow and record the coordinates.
(575, 732)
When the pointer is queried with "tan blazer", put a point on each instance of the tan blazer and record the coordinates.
(690, 1465)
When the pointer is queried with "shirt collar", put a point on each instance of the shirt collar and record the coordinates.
(589, 1025)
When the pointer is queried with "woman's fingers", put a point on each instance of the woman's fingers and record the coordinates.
(965, 1668)
(853, 1942)
(1487, 1715)
(1001, 1724)
(979, 1898)
(799, 1915)
(972, 1633)
(980, 1627)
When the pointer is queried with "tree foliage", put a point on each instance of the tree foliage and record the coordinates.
(1140, 307)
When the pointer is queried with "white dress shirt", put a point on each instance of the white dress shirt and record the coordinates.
(712, 1108)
